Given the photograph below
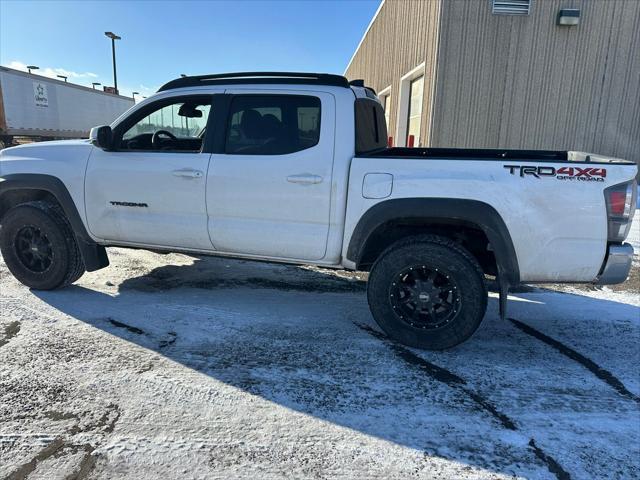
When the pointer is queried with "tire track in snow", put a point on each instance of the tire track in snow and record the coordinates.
(442, 375)
(457, 383)
(604, 375)
(553, 466)
(172, 336)
(87, 464)
(129, 328)
(170, 341)
(59, 447)
(24, 470)
(10, 331)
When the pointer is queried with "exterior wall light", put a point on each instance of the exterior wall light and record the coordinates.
(568, 17)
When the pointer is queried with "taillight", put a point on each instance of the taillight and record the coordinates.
(617, 202)
(620, 201)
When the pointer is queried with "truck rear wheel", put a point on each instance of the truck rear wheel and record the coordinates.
(39, 247)
(427, 292)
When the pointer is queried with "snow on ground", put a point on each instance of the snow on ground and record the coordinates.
(171, 366)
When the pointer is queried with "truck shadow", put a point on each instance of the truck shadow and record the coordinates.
(504, 402)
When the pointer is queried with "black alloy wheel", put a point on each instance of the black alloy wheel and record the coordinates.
(427, 292)
(33, 248)
(424, 297)
(39, 246)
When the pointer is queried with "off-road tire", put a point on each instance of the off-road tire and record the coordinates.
(444, 256)
(66, 265)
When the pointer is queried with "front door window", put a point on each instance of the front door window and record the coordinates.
(179, 126)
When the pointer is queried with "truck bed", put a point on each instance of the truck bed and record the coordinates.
(493, 154)
(554, 207)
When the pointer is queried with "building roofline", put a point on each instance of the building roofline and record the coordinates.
(375, 15)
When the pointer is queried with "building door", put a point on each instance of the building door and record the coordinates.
(386, 104)
(414, 114)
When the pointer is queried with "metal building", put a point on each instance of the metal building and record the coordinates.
(548, 74)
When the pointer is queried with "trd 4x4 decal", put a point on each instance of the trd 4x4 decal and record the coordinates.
(587, 174)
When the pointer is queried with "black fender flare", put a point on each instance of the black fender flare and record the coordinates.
(437, 210)
(94, 255)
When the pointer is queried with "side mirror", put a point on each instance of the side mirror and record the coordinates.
(101, 137)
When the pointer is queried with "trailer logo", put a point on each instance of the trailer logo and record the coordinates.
(578, 174)
(40, 94)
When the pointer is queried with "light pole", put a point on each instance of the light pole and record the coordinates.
(32, 67)
(113, 38)
(95, 83)
(133, 94)
(62, 77)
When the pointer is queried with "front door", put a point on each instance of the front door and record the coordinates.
(150, 189)
(269, 193)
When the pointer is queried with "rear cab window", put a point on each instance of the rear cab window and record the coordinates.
(370, 126)
(272, 124)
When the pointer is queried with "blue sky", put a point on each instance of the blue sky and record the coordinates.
(161, 40)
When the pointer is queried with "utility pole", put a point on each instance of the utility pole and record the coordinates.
(113, 38)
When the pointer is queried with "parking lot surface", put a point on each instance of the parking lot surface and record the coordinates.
(172, 366)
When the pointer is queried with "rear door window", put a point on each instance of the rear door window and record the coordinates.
(272, 124)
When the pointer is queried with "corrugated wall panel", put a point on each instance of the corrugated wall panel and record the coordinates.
(403, 36)
(524, 82)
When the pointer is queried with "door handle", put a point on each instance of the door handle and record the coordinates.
(188, 173)
(304, 179)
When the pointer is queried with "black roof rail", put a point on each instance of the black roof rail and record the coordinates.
(258, 77)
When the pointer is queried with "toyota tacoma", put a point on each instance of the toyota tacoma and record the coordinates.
(293, 167)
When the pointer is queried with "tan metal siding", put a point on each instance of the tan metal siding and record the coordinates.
(524, 82)
(403, 36)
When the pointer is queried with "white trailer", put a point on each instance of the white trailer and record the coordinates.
(42, 108)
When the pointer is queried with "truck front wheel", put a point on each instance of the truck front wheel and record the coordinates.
(39, 247)
(427, 292)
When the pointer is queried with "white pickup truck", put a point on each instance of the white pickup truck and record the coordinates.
(291, 167)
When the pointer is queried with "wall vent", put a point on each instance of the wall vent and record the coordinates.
(511, 7)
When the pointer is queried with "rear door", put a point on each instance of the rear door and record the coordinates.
(269, 192)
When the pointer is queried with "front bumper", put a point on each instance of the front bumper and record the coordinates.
(617, 266)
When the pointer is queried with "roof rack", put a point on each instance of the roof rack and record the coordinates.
(258, 77)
